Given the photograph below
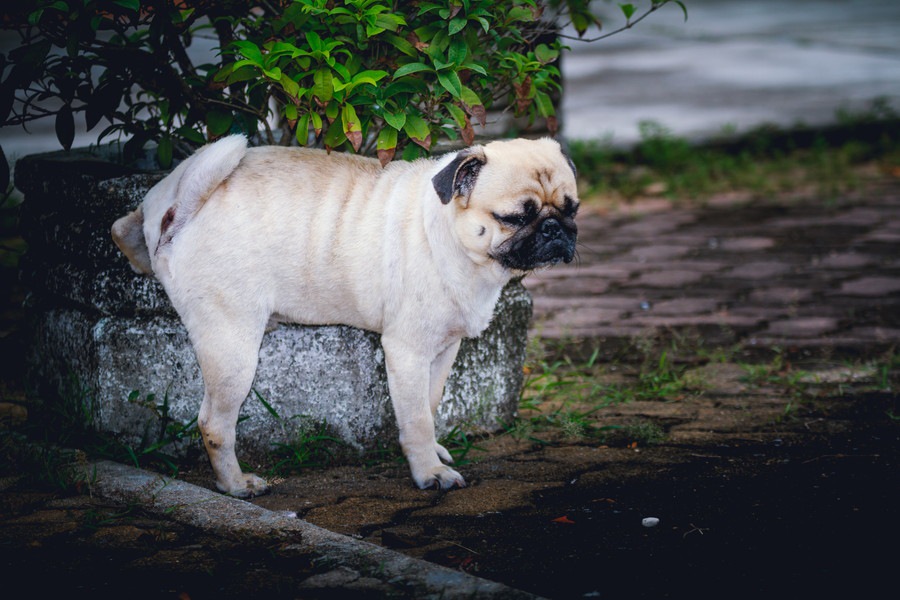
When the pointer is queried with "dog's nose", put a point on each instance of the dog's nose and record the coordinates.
(550, 229)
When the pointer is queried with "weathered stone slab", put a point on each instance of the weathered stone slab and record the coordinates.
(308, 375)
(108, 338)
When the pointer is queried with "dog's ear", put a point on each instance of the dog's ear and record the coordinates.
(458, 178)
(571, 164)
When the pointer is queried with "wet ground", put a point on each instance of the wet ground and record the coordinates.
(771, 467)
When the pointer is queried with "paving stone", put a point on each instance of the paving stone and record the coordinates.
(883, 235)
(580, 317)
(608, 301)
(804, 327)
(873, 286)
(780, 295)
(607, 269)
(876, 334)
(657, 253)
(759, 270)
(717, 320)
(846, 260)
(612, 334)
(862, 216)
(656, 225)
(667, 279)
(684, 306)
(571, 286)
(745, 244)
(701, 266)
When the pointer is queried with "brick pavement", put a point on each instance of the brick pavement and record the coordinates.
(816, 277)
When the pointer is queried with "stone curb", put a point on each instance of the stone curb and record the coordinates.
(348, 558)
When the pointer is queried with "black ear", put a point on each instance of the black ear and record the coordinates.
(571, 164)
(458, 178)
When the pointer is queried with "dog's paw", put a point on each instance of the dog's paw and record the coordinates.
(442, 478)
(247, 485)
(444, 454)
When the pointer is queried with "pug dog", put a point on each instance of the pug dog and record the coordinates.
(242, 238)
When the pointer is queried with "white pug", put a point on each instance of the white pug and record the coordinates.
(417, 251)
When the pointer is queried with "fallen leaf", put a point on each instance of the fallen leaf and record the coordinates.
(564, 520)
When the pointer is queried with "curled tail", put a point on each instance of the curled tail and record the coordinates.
(173, 201)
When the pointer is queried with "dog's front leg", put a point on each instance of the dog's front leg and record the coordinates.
(410, 384)
(440, 370)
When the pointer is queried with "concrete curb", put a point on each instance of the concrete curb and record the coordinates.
(349, 559)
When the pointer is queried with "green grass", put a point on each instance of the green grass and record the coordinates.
(564, 397)
(822, 161)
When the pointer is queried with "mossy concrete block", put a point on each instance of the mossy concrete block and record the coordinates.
(108, 340)
(133, 375)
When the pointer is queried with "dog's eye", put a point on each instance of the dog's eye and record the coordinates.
(529, 213)
(512, 220)
(570, 209)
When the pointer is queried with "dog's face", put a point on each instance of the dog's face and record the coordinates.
(516, 202)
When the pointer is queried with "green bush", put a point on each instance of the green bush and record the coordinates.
(371, 76)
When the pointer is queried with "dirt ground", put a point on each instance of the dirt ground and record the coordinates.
(758, 490)
(780, 484)
(750, 501)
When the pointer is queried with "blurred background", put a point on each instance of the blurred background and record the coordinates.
(731, 66)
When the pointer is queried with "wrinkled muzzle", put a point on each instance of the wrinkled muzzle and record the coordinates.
(551, 242)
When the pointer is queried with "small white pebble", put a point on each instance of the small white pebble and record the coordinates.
(649, 521)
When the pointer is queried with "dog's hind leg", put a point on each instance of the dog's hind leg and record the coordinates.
(228, 357)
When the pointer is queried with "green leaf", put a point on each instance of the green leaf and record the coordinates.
(400, 44)
(469, 97)
(544, 104)
(302, 132)
(520, 13)
(290, 86)
(334, 137)
(683, 8)
(545, 53)
(458, 114)
(627, 10)
(218, 122)
(456, 25)
(418, 131)
(413, 151)
(391, 22)
(250, 51)
(134, 5)
(244, 73)
(387, 139)
(386, 145)
(314, 41)
(395, 120)
(457, 51)
(352, 126)
(316, 120)
(290, 112)
(450, 82)
(323, 87)
(332, 111)
(65, 126)
(190, 134)
(410, 68)
(164, 152)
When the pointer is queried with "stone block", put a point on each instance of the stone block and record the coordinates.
(108, 338)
